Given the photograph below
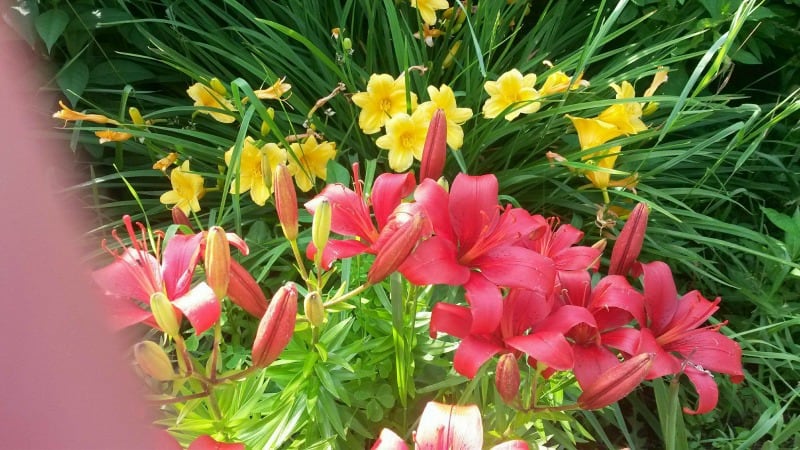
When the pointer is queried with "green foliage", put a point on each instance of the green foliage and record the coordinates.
(718, 165)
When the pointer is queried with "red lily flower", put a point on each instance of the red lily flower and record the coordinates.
(477, 246)
(445, 427)
(557, 242)
(522, 311)
(589, 321)
(680, 346)
(136, 274)
(350, 214)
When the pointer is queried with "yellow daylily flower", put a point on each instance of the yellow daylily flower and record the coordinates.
(658, 79)
(625, 116)
(70, 115)
(112, 136)
(592, 133)
(207, 97)
(255, 169)
(274, 92)
(427, 9)
(385, 97)
(311, 163)
(187, 189)
(511, 90)
(444, 98)
(558, 82)
(428, 34)
(405, 139)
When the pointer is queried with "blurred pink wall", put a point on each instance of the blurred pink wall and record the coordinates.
(65, 383)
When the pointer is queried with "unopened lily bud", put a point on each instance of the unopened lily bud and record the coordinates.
(506, 377)
(136, 116)
(617, 382)
(153, 361)
(218, 87)
(442, 181)
(397, 246)
(435, 150)
(314, 309)
(285, 201)
(321, 228)
(448, 60)
(600, 245)
(265, 125)
(165, 315)
(276, 327)
(243, 290)
(347, 44)
(179, 217)
(217, 260)
(629, 242)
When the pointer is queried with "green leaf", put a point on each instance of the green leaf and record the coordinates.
(119, 72)
(72, 80)
(50, 25)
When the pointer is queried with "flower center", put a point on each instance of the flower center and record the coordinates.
(386, 105)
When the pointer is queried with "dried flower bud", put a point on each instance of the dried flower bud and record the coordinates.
(506, 377)
(398, 244)
(285, 201)
(314, 309)
(321, 228)
(617, 382)
(136, 116)
(629, 242)
(435, 150)
(217, 260)
(218, 87)
(165, 315)
(153, 361)
(243, 290)
(276, 327)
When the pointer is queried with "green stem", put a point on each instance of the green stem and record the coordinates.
(346, 295)
(299, 258)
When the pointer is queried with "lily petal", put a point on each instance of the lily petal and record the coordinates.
(454, 320)
(434, 262)
(472, 353)
(591, 361)
(711, 350)
(660, 295)
(388, 191)
(349, 213)
(450, 426)
(517, 267)
(200, 306)
(473, 205)
(435, 200)
(125, 277)
(707, 391)
(486, 301)
(389, 440)
(549, 347)
(178, 261)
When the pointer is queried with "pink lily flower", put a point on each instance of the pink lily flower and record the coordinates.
(590, 319)
(557, 242)
(522, 311)
(350, 214)
(136, 275)
(674, 335)
(478, 245)
(445, 427)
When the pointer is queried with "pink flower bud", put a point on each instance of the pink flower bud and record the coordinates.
(276, 327)
(435, 150)
(629, 242)
(285, 201)
(179, 218)
(217, 261)
(506, 377)
(616, 382)
(395, 249)
(245, 292)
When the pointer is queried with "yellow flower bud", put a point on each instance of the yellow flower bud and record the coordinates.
(265, 125)
(314, 309)
(136, 116)
(217, 260)
(321, 228)
(153, 361)
(165, 316)
(218, 87)
(448, 60)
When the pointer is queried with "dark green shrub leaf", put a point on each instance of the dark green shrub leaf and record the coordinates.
(50, 25)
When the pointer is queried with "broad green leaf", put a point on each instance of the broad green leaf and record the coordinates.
(73, 79)
(50, 25)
